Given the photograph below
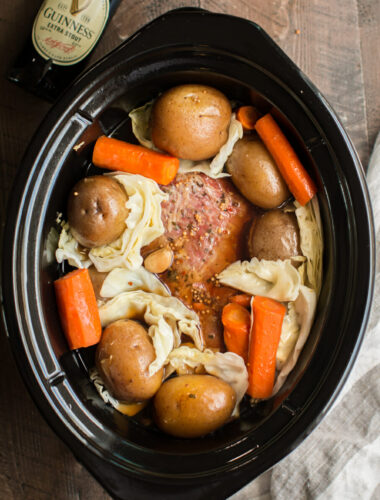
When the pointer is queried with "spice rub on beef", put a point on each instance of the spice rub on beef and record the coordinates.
(206, 227)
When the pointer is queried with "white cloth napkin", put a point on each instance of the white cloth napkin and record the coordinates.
(341, 458)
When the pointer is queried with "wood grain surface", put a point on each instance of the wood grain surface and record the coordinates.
(335, 42)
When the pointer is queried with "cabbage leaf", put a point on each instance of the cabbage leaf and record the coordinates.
(277, 280)
(127, 280)
(98, 382)
(70, 250)
(140, 118)
(167, 318)
(311, 242)
(305, 307)
(289, 334)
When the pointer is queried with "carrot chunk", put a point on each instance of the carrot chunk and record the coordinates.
(236, 321)
(247, 116)
(78, 309)
(242, 299)
(268, 316)
(298, 180)
(113, 154)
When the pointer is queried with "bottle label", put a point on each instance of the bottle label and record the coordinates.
(67, 30)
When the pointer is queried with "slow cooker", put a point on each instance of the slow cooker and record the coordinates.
(129, 458)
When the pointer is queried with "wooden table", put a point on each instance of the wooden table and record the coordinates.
(335, 42)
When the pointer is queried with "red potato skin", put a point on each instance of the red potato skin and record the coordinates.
(123, 356)
(275, 235)
(191, 121)
(192, 406)
(97, 210)
(256, 175)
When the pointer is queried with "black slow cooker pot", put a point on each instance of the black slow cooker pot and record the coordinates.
(130, 458)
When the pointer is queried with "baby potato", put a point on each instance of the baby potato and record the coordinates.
(191, 406)
(123, 356)
(275, 235)
(96, 210)
(255, 174)
(191, 121)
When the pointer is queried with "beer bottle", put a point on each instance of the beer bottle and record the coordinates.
(63, 36)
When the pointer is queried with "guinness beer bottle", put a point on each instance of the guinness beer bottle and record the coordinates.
(63, 36)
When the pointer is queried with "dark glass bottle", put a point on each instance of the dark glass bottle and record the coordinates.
(64, 34)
